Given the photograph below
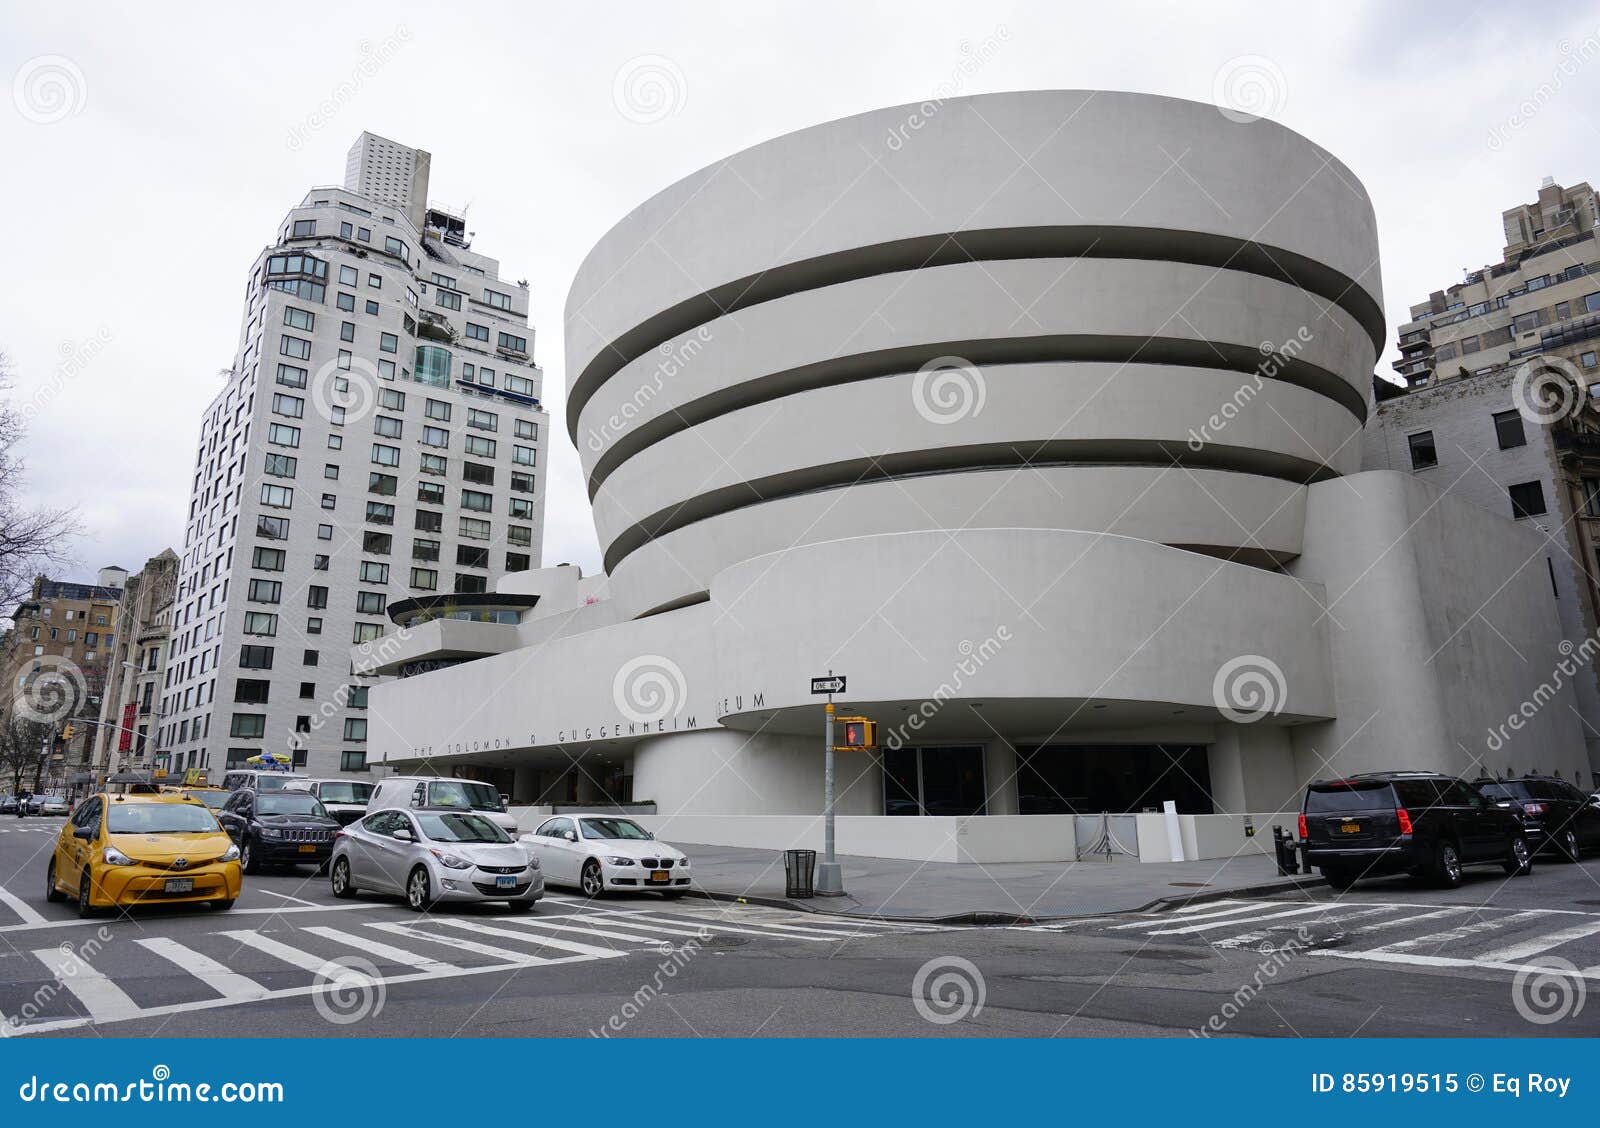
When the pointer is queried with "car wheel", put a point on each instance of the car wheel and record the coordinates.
(1339, 878)
(85, 907)
(1447, 864)
(419, 890)
(339, 879)
(592, 882)
(1519, 859)
(1570, 850)
(248, 861)
(51, 893)
(223, 905)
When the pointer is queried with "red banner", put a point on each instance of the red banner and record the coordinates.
(130, 713)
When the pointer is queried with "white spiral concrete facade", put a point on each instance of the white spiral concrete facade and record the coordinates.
(1071, 382)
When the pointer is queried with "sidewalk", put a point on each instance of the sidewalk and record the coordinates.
(1009, 892)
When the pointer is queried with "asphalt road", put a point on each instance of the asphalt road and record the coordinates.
(1389, 958)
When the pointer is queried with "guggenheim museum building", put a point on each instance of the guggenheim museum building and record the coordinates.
(1036, 417)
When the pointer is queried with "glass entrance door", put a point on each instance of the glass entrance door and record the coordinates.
(945, 780)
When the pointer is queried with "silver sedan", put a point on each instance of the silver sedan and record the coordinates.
(428, 856)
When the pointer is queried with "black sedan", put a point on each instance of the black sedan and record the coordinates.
(1558, 817)
(279, 828)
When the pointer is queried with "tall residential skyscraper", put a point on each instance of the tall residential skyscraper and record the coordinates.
(378, 440)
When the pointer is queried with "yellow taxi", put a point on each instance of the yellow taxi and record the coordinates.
(122, 850)
(213, 797)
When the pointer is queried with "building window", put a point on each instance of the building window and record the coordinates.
(265, 591)
(387, 426)
(251, 691)
(380, 513)
(446, 299)
(291, 376)
(352, 761)
(309, 658)
(425, 579)
(483, 420)
(330, 471)
(346, 302)
(1527, 500)
(281, 434)
(1587, 360)
(517, 562)
(434, 464)
(497, 299)
(424, 549)
(519, 534)
(273, 528)
(431, 492)
(249, 726)
(373, 572)
(370, 603)
(476, 501)
(513, 343)
(476, 444)
(260, 623)
(527, 429)
(255, 657)
(469, 556)
(313, 625)
(268, 559)
(437, 410)
(1508, 429)
(435, 437)
(392, 399)
(366, 632)
(523, 455)
(385, 455)
(477, 473)
(316, 597)
(468, 584)
(292, 406)
(481, 332)
(324, 532)
(279, 497)
(388, 342)
(522, 483)
(379, 543)
(384, 485)
(428, 521)
(1423, 452)
(299, 318)
(297, 347)
(474, 529)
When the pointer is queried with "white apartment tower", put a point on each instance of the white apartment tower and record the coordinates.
(378, 441)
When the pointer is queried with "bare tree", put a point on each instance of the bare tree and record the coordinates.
(22, 751)
(32, 540)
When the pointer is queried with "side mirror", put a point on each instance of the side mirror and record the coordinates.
(403, 835)
(505, 800)
(84, 832)
(570, 835)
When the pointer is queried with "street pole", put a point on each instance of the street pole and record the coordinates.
(830, 879)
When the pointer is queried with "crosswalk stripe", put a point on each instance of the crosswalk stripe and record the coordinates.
(103, 999)
(288, 953)
(544, 941)
(1461, 932)
(1380, 955)
(505, 955)
(626, 919)
(718, 926)
(848, 931)
(1249, 938)
(1185, 930)
(1413, 919)
(221, 979)
(383, 951)
(1513, 953)
(1204, 905)
(559, 924)
(1235, 911)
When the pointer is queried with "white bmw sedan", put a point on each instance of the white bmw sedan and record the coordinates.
(598, 853)
(428, 856)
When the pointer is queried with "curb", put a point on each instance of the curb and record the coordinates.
(980, 918)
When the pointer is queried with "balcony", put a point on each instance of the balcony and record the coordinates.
(435, 327)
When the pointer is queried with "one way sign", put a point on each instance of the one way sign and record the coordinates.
(830, 684)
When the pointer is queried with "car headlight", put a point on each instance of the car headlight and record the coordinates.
(231, 854)
(451, 861)
(269, 832)
(615, 861)
(533, 861)
(115, 857)
(683, 863)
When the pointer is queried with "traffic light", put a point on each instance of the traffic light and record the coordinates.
(66, 733)
(859, 733)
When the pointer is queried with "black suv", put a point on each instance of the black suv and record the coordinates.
(1421, 823)
(279, 828)
(1555, 815)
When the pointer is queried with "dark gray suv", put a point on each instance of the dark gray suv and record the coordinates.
(1422, 823)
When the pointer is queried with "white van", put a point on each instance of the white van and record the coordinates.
(344, 799)
(437, 792)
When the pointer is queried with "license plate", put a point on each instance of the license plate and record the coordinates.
(507, 881)
(1350, 828)
(180, 885)
(660, 875)
(308, 848)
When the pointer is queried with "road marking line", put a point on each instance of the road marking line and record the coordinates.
(1379, 955)
(1414, 919)
(543, 941)
(1249, 938)
(288, 953)
(220, 978)
(1512, 953)
(557, 924)
(847, 931)
(76, 922)
(286, 897)
(1187, 929)
(505, 955)
(19, 906)
(103, 999)
(1158, 918)
(1461, 932)
(718, 926)
(1204, 905)
(384, 951)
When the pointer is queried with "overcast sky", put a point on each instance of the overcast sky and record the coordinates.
(134, 206)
